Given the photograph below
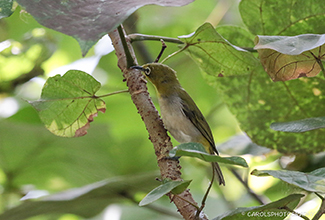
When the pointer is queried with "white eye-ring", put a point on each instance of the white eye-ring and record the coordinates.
(147, 71)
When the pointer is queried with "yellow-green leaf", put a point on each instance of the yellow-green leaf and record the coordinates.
(68, 103)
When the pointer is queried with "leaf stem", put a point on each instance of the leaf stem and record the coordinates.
(113, 93)
(141, 37)
(319, 61)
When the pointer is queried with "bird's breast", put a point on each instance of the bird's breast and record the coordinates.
(176, 122)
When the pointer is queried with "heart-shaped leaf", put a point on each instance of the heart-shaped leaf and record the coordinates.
(176, 187)
(87, 20)
(254, 98)
(298, 126)
(197, 150)
(311, 182)
(68, 103)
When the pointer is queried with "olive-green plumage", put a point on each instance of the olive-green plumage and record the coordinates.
(181, 117)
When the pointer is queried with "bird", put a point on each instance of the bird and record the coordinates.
(180, 115)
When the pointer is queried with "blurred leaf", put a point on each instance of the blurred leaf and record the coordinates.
(291, 45)
(6, 8)
(311, 182)
(275, 17)
(197, 150)
(68, 103)
(19, 60)
(87, 21)
(175, 186)
(241, 144)
(215, 55)
(286, 58)
(274, 210)
(85, 201)
(302, 125)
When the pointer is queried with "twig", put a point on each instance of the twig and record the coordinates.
(141, 37)
(129, 59)
(258, 198)
(207, 192)
(163, 47)
(321, 209)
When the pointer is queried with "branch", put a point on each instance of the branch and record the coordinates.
(169, 168)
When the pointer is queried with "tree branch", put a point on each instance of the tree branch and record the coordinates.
(169, 168)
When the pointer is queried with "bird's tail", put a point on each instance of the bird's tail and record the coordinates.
(218, 173)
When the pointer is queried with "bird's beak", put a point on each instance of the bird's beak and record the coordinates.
(137, 67)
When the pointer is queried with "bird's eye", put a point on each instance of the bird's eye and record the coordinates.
(147, 71)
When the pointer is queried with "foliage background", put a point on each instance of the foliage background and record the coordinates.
(117, 143)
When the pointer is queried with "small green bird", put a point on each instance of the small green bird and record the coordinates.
(181, 117)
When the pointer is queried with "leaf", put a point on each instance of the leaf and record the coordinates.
(197, 150)
(293, 45)
(68, 103)
(311, 182)
(87, 21)
(241, 144)
(274, 210)
(286, 58)
(86, 201)
(257, 101)
(275, 17)
(298, 126)
(175, 186)
(215, 55)
(6, 8)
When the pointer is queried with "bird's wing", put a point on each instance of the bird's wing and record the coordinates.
(193, 113)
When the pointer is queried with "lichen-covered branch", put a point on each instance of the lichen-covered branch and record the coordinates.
(169, 168)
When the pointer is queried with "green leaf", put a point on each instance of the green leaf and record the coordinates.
(197, 150)
(257, 102)
(275, 17)
(298, 126)
(68, 103)
(87, 21)
(6, 8)
(215, 55)
(175, 187)
(311, 182)
(86, 201)
(274, 210)
(286, 58)
(237, 35)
